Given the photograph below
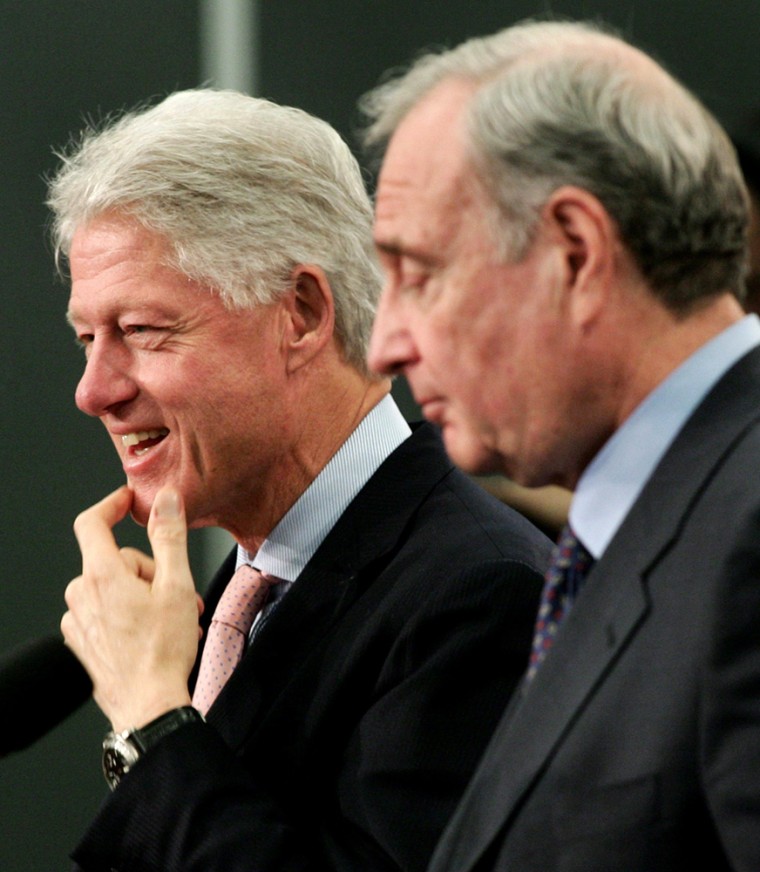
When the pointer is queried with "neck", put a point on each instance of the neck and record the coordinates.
(634, 348)
(666, 341)
(321, 423)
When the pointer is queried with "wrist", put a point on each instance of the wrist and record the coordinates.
(122, 750)
(138, 717)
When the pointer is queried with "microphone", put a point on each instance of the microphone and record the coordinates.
(41, 684)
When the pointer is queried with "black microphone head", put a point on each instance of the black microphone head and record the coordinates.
(41, 684)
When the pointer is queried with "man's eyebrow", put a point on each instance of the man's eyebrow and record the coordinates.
(396, 249)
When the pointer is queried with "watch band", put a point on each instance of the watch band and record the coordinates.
(152, 733)
(122, 750)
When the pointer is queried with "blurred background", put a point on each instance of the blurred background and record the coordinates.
(65, 61)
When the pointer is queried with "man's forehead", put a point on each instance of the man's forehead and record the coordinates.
(426, 178)
(117, 265)
(109, 239)
(430, 143)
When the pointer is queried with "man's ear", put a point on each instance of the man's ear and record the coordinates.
(588, 243)
(310, 312)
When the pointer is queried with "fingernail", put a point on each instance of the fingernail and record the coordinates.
(167, 504)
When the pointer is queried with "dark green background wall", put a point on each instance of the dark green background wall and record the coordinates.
(60, 60)
(63, 60)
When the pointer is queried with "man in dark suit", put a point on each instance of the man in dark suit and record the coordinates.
(568, 223)
(223, 288)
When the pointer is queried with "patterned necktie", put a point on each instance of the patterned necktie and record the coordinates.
(567, 571)
(242, 600)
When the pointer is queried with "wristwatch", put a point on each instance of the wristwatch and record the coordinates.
(122, 750)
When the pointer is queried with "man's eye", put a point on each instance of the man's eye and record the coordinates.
(148, 337)
(413, 275)
(143, 332)
(414, 281)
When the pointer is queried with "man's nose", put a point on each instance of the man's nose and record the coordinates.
(106, 381)
(392, 347)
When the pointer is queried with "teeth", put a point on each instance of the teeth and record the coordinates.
(130, 439)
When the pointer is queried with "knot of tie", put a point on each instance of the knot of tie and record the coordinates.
(243, 598)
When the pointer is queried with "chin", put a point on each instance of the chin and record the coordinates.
(144, 495)
(142, 502)
(470, 454)
(140, 511)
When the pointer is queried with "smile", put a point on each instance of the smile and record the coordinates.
(143, 440)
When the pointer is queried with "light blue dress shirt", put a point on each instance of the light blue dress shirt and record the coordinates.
(613, 480)
(292, 543)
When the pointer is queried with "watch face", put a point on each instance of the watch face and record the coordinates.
(122, 750)
(118, 756)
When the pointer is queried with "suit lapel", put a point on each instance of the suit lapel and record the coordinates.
(535, 723)
(351, 558)
(613, 605)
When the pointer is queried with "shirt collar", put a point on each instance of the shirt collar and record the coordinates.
(613, 480)
(292, 543)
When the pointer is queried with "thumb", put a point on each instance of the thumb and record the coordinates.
(167, 532)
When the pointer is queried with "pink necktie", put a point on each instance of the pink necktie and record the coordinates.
(242, 600)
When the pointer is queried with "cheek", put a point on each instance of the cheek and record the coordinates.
(479, 347)
(494, 371)
(193, 390)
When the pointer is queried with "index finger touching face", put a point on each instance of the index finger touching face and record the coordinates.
(93, 528)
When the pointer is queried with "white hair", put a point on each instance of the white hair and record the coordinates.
(569, 103)
(243, 190)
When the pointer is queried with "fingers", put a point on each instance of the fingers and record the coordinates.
(132, 619)
(76, 618)
(92, 528)
(167, 532)
(72, 636)
(140, 564)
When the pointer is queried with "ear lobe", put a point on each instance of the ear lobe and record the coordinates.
(311, 315)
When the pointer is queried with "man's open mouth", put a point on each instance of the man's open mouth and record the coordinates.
(143, 440)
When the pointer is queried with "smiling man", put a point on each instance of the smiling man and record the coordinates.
(223, 286)
(563, 231)
(154, 338)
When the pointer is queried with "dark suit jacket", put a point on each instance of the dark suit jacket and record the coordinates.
(350, 729)
(637, 746)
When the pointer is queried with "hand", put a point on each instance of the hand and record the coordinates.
(132, 620)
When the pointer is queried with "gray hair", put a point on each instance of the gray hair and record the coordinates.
(243, 189)
(565, 103)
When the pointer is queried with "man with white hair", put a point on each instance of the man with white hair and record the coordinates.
(223, 289)
(567, 223)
